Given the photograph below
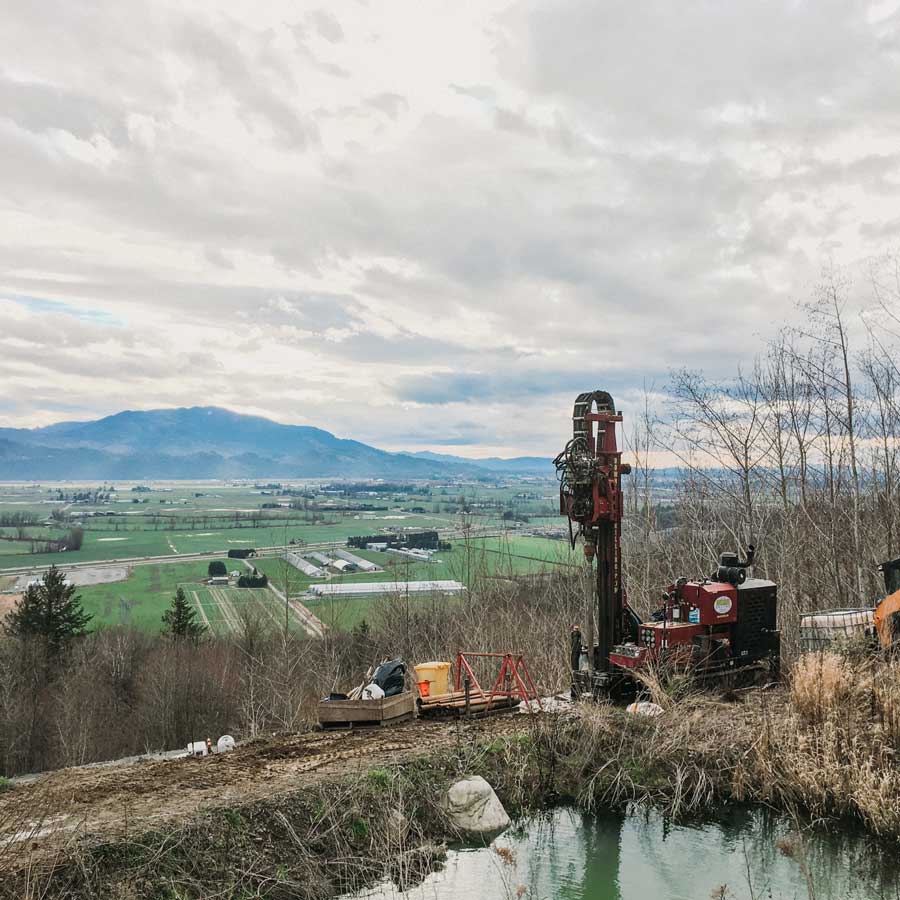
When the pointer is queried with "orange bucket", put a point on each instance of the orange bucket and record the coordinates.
(424, 688)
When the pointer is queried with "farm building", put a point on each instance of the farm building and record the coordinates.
(364, 565)
(385, 587)
(320, 558)
(306, 567)
(217, 579)
(420, 555)
(424, 540)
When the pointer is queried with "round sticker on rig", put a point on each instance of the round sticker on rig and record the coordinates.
(722, 605)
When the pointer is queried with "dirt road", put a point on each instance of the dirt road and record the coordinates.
(110, 802)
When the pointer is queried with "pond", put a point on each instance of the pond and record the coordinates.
(745, 854)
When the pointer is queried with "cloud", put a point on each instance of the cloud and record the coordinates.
(396, 223)
(511, 389)
(236, 73)
(392, 105)
(327, 25)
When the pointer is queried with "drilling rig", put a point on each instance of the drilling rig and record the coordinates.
(712, 625)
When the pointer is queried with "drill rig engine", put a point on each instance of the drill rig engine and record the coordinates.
(713, 625)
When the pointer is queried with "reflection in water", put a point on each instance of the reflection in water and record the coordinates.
(568, 855)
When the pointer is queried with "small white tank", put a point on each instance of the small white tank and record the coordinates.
(225, 743)
(821, 629)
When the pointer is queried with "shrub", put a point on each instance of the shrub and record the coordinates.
(254, 580)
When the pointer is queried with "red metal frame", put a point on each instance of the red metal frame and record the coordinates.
(602, 529)
(512, 667)
(609, 506)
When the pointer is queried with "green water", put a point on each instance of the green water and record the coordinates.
(565, 854)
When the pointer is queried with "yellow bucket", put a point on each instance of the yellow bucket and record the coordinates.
(438, 673)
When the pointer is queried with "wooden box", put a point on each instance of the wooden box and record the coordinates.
(350, 713)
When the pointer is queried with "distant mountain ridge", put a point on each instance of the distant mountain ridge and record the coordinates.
(210, 442)
(530, 465)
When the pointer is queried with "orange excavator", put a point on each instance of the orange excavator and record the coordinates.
(887, 613)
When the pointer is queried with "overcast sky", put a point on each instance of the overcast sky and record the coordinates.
(425, 225)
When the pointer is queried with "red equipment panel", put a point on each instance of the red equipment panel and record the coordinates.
(629, 656)
(716, 602)
(655, 640)
(661, 635)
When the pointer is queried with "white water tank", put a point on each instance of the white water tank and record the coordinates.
(821, 629)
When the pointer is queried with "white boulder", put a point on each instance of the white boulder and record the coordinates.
(474, 808)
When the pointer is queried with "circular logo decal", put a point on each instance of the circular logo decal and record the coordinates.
(722, 605)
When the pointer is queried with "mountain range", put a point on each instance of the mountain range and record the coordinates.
(206, 442)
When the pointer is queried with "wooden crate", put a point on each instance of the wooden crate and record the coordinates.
(360, 713)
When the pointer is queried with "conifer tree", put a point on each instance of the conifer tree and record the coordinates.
(180, 619)
(50, 610)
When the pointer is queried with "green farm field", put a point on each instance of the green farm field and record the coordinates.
(104, 543)
(223, 609)
(488, 557)
(143, 597)
(495, 556)
(141, 600)
(171, 519)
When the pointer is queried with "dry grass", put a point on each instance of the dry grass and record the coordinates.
(681, 761)
(833, 750)
(322, 841)
(827, 746)
(821, 684)
(666, 685)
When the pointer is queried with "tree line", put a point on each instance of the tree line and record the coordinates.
(72, 696)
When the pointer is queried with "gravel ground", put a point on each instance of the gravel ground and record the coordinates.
(86, 576)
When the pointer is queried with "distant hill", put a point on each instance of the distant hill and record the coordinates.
(209, 442)
(524, 465)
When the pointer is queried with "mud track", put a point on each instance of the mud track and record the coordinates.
(105, 803)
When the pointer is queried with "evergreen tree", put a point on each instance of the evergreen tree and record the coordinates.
(217, 568)
(50, 610)
(180, 619)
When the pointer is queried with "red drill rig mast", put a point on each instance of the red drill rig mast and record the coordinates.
(714, 625)
(590, 471)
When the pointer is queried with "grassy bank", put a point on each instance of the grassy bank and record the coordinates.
(823, 748)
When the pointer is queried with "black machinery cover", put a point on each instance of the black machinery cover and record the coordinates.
(390, 677)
